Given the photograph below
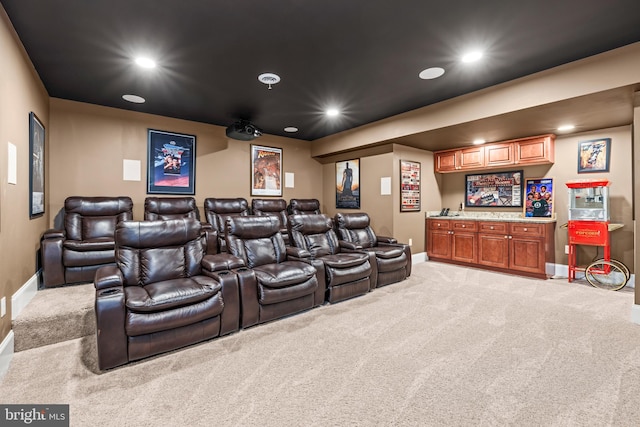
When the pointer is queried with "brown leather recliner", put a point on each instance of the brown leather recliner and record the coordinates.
(162, 294)
(73, 254)
(163, 208)
(217, 211)
(391, 261)
(347, 273)
(304, 206)
(279, 280)
(273, 207)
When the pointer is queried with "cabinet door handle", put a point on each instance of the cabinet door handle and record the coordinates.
(438, 224)
(506, 237)
(511, 237)
(463, 226)
(491, 228)
(526, 229)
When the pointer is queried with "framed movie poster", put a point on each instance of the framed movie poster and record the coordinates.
(348, 184)
(266, 171)
(171, 166)
(496, 190)
(539, 201)
(409, 186)
(36, 166)
(593, 155)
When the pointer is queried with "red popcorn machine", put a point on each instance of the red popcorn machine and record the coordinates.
(589, 224)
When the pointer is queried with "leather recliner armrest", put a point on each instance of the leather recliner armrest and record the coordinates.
(220, 262)
(298, 253)
(52, 268)
(108, 276)
(53, 233)
(349, 246)
(385, 239)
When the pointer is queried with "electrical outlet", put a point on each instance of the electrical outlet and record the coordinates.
(3, 306)
(566, 249)
(410, 242)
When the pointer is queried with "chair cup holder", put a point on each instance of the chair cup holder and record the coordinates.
(109, 292)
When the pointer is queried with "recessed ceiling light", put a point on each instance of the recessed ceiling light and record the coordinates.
(291, 129)
(431, 73)
(472, 56)
(479, 141)
(333, 112)
(565, 128)
(134, 98)
(145, 62)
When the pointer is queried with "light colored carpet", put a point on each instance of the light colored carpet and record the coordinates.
(449, 346)
(55, 315)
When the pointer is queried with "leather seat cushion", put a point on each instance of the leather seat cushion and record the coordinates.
(344, 259)
(163, 321)
(81, 259)
(97, 244)
(284, 274)
(167, 294)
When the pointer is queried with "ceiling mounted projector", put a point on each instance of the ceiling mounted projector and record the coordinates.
(243, 130)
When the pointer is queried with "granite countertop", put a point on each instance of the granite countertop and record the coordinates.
(489, 216)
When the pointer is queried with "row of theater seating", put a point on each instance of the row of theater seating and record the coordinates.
(73, 252)
(165, 291)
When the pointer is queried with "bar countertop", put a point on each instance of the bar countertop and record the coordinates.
(489, 216)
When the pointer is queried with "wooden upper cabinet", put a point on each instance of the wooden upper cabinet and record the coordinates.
(446, 161)
(536, 150)
(499, 154)
(471, 158)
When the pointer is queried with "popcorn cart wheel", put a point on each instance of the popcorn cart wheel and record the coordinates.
(609, 274)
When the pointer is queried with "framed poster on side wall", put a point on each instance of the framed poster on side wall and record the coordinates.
(171, 166)
(36, 167)
(496, 190)
(539, 201)
(266, 171)
(409, 186)
(348, 184)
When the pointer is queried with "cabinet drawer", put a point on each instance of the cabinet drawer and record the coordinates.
(493, 227)
(459, 225)
(524, 229)
(437, 224)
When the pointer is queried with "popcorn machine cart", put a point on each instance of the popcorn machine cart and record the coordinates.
(589, 224)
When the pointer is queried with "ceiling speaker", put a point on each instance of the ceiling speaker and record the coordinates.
(243, 130)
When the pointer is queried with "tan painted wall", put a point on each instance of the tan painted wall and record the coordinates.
(89, 142)
(379, 207)
(410, 225)
(21, 92)
(565, 169)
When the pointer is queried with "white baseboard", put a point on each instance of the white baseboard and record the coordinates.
(418, 258)
(21, 298)
(6, 353)
(635, 314)
(561, 271)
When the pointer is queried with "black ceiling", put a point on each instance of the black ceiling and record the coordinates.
(360, 56)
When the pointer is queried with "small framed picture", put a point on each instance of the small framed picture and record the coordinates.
(171, 166)
(409, 186)
(266, 171)
(539, 198)
(593, 155)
